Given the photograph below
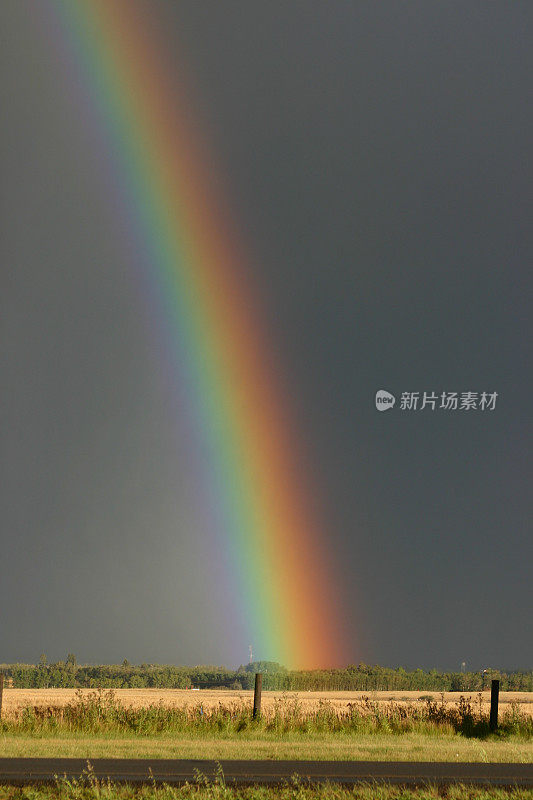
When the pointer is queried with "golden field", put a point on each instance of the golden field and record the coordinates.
(16, 699)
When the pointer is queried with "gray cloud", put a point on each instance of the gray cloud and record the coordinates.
(378, 163)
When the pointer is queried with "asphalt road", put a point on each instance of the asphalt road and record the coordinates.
(178, 771)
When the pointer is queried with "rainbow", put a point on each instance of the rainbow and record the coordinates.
(197, 263)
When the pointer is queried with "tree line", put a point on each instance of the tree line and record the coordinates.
(360, 677)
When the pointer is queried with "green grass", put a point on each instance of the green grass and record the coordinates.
(384, 747)
(94, 790)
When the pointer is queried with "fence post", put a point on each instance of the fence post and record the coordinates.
(494, 696)
(1, 692)
(257, 694)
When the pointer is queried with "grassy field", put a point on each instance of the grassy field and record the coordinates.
(105, 712)
(17, 699)
(294, 791)
(383, 747)
(98, 724)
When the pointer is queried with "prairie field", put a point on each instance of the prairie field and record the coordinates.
(218, 724)
(209, 699)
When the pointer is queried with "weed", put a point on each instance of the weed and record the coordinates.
(99, 712)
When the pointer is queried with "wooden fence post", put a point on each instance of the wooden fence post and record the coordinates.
(494, 697)
(257, 694)
(1, 692)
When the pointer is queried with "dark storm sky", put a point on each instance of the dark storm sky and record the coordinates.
(379, 161)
